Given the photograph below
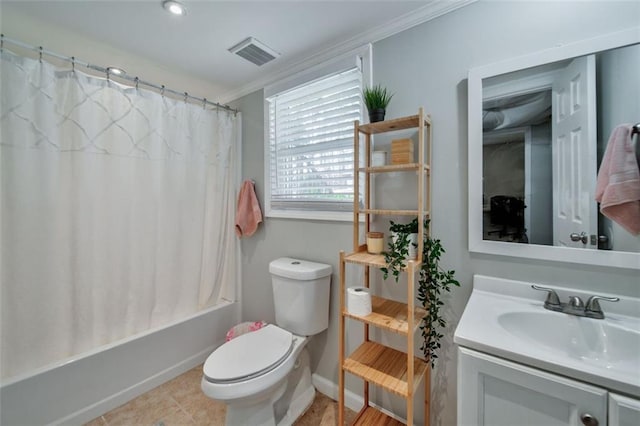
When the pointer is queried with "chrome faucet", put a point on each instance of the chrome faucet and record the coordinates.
(575, 306)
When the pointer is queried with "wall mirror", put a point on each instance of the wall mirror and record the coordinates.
(538, 128)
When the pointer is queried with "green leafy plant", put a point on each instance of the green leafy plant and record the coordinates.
(433, 282)
(398, 251)
(376, 97)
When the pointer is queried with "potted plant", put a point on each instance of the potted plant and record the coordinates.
(376, 99)
(404, 240)
(432, 283)
(402, 247)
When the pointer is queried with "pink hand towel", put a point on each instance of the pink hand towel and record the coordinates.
(248, 213)
(618, 184)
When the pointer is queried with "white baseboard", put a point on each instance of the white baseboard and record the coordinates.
(91, 412)
(352, 400)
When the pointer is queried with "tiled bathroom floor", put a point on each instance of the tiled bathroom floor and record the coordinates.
(181, 402)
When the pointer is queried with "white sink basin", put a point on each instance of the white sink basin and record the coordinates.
(593, 341)
(506, 318)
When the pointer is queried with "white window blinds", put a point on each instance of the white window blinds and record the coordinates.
(311, 143)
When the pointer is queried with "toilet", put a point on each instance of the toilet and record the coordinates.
(264, 376)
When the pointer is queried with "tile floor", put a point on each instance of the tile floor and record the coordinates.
(181, 402)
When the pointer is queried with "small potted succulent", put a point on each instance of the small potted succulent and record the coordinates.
(376, 99)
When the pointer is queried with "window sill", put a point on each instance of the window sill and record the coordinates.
(311, 215)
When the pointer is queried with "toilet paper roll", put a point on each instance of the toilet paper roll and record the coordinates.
(358, 301)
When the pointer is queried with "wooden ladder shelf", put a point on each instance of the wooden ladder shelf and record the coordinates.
(395, 371)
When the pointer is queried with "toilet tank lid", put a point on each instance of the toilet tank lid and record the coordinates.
(298, 269)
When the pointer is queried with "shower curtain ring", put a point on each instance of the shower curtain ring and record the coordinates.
(107, 71)
(204, 103)
(136, 80)
(73, 64)
(1, 42)
(40, 54)
(162, 90)
(186, 95)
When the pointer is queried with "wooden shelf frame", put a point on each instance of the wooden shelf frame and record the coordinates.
(394, 212)
(393, 370)
(395, 168)
(362, 257)
(371, 416)
(402, 123)
(390, 315)
(386, 367)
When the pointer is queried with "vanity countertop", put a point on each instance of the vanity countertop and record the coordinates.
(506, 318)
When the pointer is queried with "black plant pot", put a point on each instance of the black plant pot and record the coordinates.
(376, 115)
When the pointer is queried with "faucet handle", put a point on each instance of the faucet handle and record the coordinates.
(552, 301)
(576, 302)
(593, 306)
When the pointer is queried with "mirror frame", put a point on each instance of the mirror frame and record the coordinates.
(532, 251)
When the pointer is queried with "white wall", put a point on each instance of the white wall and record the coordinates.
(427, 66)
(18, 26)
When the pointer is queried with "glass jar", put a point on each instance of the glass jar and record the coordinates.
(375, 242)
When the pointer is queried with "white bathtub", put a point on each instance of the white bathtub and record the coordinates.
(79, 389)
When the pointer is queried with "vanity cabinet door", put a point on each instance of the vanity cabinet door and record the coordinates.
(623, 411)
(496, 392)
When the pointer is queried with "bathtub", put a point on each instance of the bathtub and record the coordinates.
(86, 386)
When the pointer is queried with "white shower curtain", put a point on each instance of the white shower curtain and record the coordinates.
(116, 211)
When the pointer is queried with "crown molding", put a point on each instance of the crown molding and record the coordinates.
(426, 13)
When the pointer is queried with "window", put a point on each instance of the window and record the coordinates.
(309, 153)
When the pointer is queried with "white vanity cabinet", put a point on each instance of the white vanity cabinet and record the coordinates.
(494, 392)
(623, 411)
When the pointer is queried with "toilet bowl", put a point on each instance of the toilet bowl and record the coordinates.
(264, 376)
(251, 374)
(251, 364)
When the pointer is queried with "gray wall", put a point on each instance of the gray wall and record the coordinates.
(427, 66)
(541, 198)
(503, 169)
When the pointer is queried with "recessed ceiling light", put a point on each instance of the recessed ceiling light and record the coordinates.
(174, 7)
(116, 71)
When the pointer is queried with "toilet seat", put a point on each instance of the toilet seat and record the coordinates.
(249, 355)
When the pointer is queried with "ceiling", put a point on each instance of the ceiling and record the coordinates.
(198, 43)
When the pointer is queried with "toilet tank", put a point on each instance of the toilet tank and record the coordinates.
(301, 295)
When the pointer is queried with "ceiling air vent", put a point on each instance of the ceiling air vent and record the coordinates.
(254, 51)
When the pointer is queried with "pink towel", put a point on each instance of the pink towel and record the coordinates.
(248, 213)
(618, 185)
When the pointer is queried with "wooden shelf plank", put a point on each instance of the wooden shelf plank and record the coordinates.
(371, 416)
(385, 367)
(392, 212)
(367, 259)
(402, 123)
(390, 315)
(394, 168)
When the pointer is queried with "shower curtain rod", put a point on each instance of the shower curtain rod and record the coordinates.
(41, 51)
